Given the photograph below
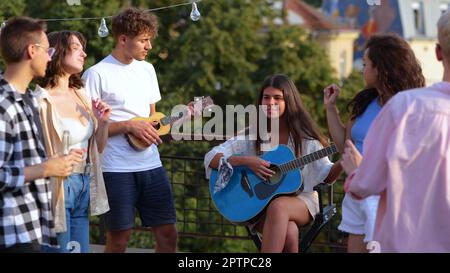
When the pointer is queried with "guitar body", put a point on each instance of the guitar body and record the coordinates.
(136, 143)
(246, 195)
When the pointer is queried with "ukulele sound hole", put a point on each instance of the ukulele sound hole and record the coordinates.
(157, 126)
(277, 177)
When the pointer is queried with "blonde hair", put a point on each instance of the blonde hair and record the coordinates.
(444, 33)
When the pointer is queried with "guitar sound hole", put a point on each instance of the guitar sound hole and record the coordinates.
(157, 126)
(276, 178)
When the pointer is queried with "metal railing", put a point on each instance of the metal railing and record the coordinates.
(197, 216)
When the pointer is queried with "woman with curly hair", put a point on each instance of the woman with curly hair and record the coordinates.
(390, 66)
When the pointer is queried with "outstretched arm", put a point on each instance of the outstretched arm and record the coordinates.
(335, 125)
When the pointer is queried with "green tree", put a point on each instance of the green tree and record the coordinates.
(97, 47)
(291, 51)
(215, 55)
(353, 84)
(9, 9)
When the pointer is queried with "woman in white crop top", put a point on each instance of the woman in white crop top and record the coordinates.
(64, 107)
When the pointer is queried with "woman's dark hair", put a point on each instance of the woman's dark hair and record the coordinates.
(398, 70)
(61, 41)
(300, 124)
(360, 102)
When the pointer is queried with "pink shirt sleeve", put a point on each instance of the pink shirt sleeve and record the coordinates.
(370, 177)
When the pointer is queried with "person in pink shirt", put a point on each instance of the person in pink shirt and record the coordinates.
(387, 57)
(407, 161)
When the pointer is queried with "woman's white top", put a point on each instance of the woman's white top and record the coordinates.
(313, 173)
(79, 134)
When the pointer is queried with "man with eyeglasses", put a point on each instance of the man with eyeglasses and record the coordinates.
(26, 221)
(50, 50)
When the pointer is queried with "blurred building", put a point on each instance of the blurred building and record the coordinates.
(336, 37)
(415, 20)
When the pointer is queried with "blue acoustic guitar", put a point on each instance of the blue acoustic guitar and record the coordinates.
(246, 195)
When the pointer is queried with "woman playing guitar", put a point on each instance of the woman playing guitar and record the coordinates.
(282, 218)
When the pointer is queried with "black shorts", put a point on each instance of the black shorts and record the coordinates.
(148, 191)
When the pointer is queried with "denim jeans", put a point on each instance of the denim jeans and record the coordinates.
(76, 197)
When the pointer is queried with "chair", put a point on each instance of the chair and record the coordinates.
(322, 218)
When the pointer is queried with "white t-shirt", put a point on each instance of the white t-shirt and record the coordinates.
(129, 89)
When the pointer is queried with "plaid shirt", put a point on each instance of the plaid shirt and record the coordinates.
(25, 208)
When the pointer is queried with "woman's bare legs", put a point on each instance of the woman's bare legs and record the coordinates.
(283, 217)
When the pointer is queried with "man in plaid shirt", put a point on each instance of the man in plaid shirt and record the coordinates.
(26, 219)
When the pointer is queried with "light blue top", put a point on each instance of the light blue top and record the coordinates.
(363, 122)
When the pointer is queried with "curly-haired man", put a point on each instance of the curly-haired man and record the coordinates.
(133, 179)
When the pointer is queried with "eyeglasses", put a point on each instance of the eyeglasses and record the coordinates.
(50, 50)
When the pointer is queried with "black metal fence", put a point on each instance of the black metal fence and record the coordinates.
(197, 216)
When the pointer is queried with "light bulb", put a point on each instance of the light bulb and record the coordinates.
(103, 30)
(3, 25)
(195, 14)
(73, 2)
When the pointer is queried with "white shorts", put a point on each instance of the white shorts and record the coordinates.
(311, 200)
(358, 216)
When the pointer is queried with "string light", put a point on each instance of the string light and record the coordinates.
(2, 26)
(195, 14)
(103, 29)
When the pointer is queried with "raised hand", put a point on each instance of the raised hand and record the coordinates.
(194, 111)
(102, 111)
(330, 94)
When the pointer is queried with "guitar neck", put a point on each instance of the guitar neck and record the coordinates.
(302, 161)
(171, 119)
(199, 103)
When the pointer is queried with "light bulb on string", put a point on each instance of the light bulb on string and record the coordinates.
(195, 14)
(2, 26)
(103, 30)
